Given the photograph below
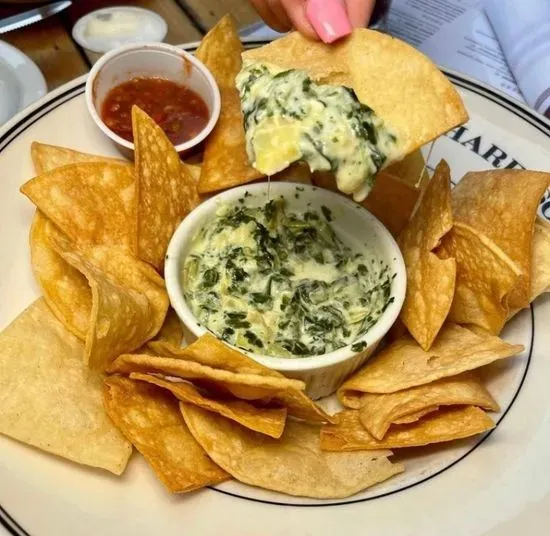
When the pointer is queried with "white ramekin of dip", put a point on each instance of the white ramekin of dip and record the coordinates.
(155, 60)
(323, 374)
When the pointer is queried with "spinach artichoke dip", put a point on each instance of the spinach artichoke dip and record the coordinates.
(288, 117)
(282, 284)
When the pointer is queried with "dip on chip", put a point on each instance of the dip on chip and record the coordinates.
(149, 417)
(444, 425)
(225, 161)
(502, 205)
(293, 464)
(403, 364)
(411, 103)
(378, 412)
(50, 399)
(430, 280)
(288, 117)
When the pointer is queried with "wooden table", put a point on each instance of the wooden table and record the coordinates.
(50, 45)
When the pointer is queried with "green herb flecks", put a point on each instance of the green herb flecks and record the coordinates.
(280, 283)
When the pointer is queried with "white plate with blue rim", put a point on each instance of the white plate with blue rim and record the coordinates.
(21, 82)
(496, 484)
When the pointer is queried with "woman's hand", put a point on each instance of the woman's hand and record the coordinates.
(283, 15)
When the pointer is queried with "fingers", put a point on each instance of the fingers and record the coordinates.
(359, 12)
(263, 9)
(296, 11)
(279, 11)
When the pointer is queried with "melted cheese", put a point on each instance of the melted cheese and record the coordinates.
(288, 117)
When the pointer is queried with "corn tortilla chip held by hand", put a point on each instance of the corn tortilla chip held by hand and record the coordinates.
(166, 192)
(379, 411)
(502, 205)
(405, 88)
(149, 417)
(225, 161)
(269, 421)
(293, 464)
(50, 399)
(430, 280)
(403, 364)
(444, 425)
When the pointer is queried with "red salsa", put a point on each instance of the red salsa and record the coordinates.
(178, 110)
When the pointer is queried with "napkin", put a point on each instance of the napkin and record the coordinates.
(523, 30)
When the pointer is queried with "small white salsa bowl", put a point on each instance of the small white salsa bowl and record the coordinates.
(155, 60)
(323, 374)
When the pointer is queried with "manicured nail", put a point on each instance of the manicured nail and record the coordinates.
(329, 18)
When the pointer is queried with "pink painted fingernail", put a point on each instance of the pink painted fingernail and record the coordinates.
(329, 18)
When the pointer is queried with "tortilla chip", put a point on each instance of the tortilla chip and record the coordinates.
(350, 435)
(50, 399)
(395, 192)
(379, 412)
(149, 417)
(166, 192)
(65, 289)
(403, 364)
(194, 171)
(411, 170)
(244, 386)
(540, 266)
(211, 352)
(413, 417)
(484, 280)
(398, 82)
(171, 331)
(430, 280)
(92, 203)
(326, 64)
(49, 157)
(444, 425)
(293, 464)
(225, 161)
(502, 205)
(269, 421)
(391, 200)
(128, 300)
(297, 172)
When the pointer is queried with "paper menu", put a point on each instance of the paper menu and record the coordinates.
(455, 34)
(523, 29)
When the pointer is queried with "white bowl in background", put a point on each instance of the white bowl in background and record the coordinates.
(322, 374)
(112, 27)
(155, 60)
